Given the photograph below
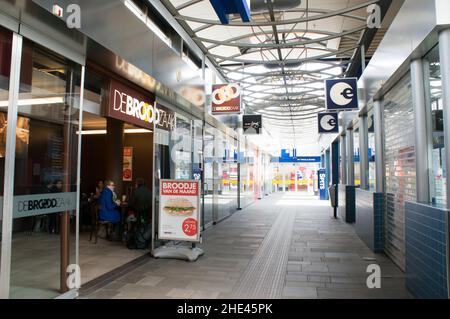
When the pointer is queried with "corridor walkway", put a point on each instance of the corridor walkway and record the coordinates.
(284, 246)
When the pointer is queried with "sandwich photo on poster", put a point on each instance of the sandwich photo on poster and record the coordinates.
(179, 210)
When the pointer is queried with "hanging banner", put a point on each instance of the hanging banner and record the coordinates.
(322, 175)
(127, 175)
(252, 124)
(342, 94)
(179, 210)
(226, 99)
(328, 123)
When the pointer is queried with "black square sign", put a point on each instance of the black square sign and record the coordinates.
(252, 124)
(328, 123)
(341, 94)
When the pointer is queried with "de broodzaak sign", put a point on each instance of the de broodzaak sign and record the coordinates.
(226, 99)
(328, 123)
(341, 94)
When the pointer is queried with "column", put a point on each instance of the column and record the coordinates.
(350, 158)
(64, 222)
(344, 159)
(420, 123)
(335, 163)
(444, 52)
(114, 152)
(363, 151)
(378, 110)
(10, 156)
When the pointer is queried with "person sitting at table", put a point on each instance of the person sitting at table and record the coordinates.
(109, 208)
(141, 200)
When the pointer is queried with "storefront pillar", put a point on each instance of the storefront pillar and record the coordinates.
(364, 151)
(350, 158)
(335, 163)
(444, 52)
(420, 124)
(344, 159)
(379, 148)
(8, 193)
(114, 153)
(67, 181)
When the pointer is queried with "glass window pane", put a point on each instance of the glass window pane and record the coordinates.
(5, 67)
(438, 180)
(45, 172)
(356, 157)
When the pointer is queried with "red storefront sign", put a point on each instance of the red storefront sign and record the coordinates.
(226, 99)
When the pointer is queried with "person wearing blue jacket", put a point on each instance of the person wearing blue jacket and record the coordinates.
(109, 208)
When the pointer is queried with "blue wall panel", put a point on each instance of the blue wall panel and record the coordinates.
(369, 219)
(426, 267)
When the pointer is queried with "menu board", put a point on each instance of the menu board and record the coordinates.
(179, 210)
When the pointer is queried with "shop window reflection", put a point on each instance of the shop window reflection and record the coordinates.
(437, 171)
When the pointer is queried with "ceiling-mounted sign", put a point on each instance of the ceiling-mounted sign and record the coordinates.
(224, 8)
(341, 94)
(252, 124)
(130, 106)
(328, 123)
(226, 99)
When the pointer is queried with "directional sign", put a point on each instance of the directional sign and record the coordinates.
(341, 94)
(328, 123)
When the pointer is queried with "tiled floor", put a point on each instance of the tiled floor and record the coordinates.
(35, 262)
(284, 246)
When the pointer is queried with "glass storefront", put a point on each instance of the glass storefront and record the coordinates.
(437, 179)
(294, 177)
(5, 54)
(45, 187)
(48, 236)
(371, 151)
(356, 153)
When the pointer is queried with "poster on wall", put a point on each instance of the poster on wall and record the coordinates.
(127, 175)
(179, 210)
(226, 99)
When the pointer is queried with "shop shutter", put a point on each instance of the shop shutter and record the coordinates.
(400, 166)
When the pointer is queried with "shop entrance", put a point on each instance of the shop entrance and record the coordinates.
(122, 154)
(289, 177)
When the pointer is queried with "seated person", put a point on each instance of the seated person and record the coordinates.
(109, 209)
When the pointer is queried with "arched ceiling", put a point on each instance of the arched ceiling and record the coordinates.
(281, 57)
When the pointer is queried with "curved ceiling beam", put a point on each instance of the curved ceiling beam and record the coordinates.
(221, 59)
(285, 62)
(331, 65)
(322, 14)
(231, 43)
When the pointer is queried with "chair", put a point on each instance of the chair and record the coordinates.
(96, 224)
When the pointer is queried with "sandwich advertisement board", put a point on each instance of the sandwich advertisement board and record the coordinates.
(179, 210)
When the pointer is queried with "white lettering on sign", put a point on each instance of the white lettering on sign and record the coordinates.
(131, 106)
(322, 181)
(39, 204)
